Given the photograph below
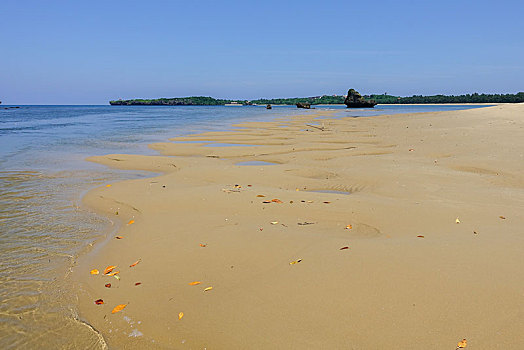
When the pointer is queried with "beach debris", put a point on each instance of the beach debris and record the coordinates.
(113, 273)
(344, 248)
(274, 222)
(326, 202)
(135, 263)
(117, 277)
(109, 269)
(457, 221)
(131, 222)
(208, 289)
(295, 262)
(462, 344)
(203, 245)
(249, 185)
(99, 301)
(180, 315)
(116, 213)
(119, 237)
(194, 283)
(266, 202)
(260, 195)
(95, 272)
(502, 217)
(138, 283)
(261, 229)
(107, 285)
(238, 186)
(420, 236)
(229, 191)
(305, 223)
(349, 227)
(475, 233)
(212, 156)
(411, 150)
(108, 185)
(276, 200)
(118, 308)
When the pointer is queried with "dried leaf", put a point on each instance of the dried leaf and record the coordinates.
(276, 200)
(266, 202)
(326, 202)
(107, 285)
(138, 283)
(420, 236)
(99, 302)
(131, 222)
(203, 245)
(260, 195)
(108, 185)
(411, 149)
(135, 263)
(194, 283)
(180, 315)
(462, 344)
(274, 222)
(119, 237)
(113, 273)
(295, 262)
(457, 221)
(109, 269)
(305, 223)
(309, 202)
(344, 248)
(349, 227)
(118, 308)
(502, 217)
(208, 289)
(117, 277)
(95, 272)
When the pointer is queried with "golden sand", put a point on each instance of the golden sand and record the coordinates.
(391, 191)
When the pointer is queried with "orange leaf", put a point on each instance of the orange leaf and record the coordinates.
(131, 222)
(109, 269)
(344, 248)
(113, 273)
(99, 302)
(462, 344)
(119, 237)
(180, 315)
(95, 272)
(135, 263)
(108, 285)
(194, 283)
(118, 308)
(349, 227)
(108, 185)
(276, 200)
(260, 195)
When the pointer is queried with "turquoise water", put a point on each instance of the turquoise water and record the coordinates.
(43, 174)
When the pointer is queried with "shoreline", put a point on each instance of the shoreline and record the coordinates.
(400, 184)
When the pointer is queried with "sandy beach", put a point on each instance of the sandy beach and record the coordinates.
(386, 232)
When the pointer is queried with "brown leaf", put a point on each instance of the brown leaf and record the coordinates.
(109, 269)
(135, 263)
(95, 272)
(344, 248)
(462, 344)
(502, 217)
(420, 236)
(266, 202)
(99, 302)
(276, 200)
(194, 283)
(326, 202)
(118, 308)
(260, 195)
(119, 237)
(138, 283)
(108, 285)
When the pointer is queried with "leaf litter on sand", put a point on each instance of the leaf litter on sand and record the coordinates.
(99, 302)
(131, 222)
(194, 283)
(118, 308)
(95, 272)
(462, 344)
(344, 248)
(109, 269)
(135, 263)
(208, 289)
(295, 262)
(180, 315)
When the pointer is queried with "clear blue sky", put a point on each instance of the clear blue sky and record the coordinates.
(88, 52)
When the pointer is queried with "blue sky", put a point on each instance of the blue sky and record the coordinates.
(88, 52)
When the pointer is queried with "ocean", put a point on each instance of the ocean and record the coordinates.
(43, 176)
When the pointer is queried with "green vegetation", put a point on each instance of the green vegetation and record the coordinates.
(327, 99)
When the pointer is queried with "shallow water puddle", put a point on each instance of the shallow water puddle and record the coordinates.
(219, 144)
(255, 162)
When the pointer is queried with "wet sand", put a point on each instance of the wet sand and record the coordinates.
(428, 205)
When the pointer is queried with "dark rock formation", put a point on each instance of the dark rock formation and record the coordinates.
(268, 107)
(355, 100)
(304, 105)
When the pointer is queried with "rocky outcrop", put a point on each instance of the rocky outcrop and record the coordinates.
(355, 100)
(304, 105)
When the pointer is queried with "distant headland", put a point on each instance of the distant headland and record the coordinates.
(325, 99)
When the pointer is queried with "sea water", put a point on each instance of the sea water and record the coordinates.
(43, 175)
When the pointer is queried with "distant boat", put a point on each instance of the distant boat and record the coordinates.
(233, 104)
